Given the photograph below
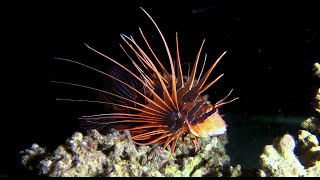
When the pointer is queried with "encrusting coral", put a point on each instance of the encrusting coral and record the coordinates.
(116, 155)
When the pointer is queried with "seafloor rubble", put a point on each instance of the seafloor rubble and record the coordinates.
(115, 154)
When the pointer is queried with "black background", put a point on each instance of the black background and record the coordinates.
(271, 47)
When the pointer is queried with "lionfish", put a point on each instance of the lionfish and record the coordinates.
(157, 105)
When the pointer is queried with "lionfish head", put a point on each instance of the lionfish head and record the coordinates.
(214, 125)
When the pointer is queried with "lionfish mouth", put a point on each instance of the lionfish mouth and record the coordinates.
(156, 104)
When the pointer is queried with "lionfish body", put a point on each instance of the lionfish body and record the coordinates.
(155, 105)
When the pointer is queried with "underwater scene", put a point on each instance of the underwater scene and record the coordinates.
(162, 89)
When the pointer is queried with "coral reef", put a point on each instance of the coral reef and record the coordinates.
(281, 159)
(309, 153)
(312, 124)
(317, 69)
(317, 103)
(115, 154)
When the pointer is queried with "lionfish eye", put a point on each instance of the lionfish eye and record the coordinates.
(175, 115)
